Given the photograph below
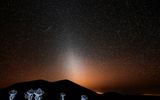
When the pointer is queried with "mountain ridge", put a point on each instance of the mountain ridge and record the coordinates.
(52, 89)
(73, 91)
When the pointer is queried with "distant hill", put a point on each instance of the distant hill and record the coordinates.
(52, 90)
(72, 90)
(118, 96)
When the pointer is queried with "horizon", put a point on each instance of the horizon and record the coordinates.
(98, 92)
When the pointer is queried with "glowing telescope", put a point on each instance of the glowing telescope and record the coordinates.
(12, 94)
(84, 97)
(29, 94)
(38, 94)
(62, 96)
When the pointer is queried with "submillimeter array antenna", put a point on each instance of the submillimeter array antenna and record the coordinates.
(29, 94)
(12, 94)
(38, 94)
(84, 97)
(62, 96)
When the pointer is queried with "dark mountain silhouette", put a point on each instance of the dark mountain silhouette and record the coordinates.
(72, 90)
(52, 90)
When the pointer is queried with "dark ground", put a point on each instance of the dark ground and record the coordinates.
(73, 91)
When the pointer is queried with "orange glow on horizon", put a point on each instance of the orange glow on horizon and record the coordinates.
(81, 72)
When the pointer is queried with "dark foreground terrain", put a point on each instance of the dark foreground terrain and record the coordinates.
(73, 91)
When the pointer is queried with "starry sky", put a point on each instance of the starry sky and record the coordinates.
(100, 44)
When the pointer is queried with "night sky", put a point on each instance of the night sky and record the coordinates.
(103, 45)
